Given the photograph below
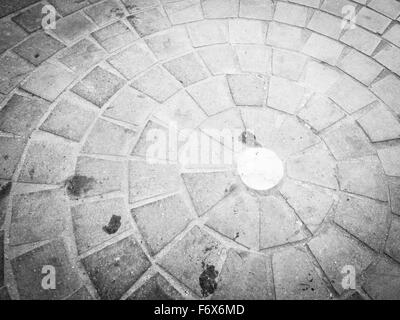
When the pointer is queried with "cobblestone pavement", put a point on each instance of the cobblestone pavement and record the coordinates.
(78, 104)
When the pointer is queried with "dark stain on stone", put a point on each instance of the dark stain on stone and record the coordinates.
(32, 173)
(5, 190)
(231, 188)
(113, 225)
(236, 236)
(78, 185)
(37, 55)
(249, 138)
(6, 157)
(207, 280)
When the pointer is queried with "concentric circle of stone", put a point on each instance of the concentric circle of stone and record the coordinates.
(119, 141)
(260, 168)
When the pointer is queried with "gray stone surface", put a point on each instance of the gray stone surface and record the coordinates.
(389, 158)
(38, 48)
(133, 60)
(296, 278)
(392, 247)
(48, 81)
(156, 288)
(38, 216)
(81, 56)
(241, 270)
(249, 90)
(10, 35)
(197, 255)
(93, 222)
(49, 159)
(114, 269)
(161, 221)
(22, 114)
(334, 251)
(105, 12)
(279, 224)
(364, 218)
(73, 27)
(147, 180)
(28, 272)
(149, 21)
(115, 36)
(10, 6)
(31, 19)
(363, 176)
(11, 150)
(13, 70)
(98, 86)
(207, 189)
(70, 118)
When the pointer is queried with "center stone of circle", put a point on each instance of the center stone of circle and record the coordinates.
(260, 168)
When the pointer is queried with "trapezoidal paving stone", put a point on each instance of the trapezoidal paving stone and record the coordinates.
(206, 149)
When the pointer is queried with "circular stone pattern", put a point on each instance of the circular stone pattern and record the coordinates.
(260, 168)
(91, 177)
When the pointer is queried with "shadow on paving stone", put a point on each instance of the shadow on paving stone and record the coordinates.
(4, 192)
(78, 185)
(207, 280)
(113, 225)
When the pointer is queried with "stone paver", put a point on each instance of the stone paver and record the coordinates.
(115, 36)
(389, 158)
(170, 43)
(382, 281)
(156, 288)
(96, 177)
(380, 124)
(256, 9)
(360, 67)
(296, 278)
(334, 251)
(73, 27)
(220, 59)
(207, 189)
(28, 272)
(10, 150)
(208, 32)
(149, 21)
(98, 86)
(105, 12)
(133, 60)
(161, 221)
(10, 35)
(363, 176)
(386, 89)
(394, 190)
(38, 216)
(70, 118)
(242, 210)
(347, 140)
(13, 70)
(114, 269)
(314, 165)
(21, 115)
(89, 150)
(147, 180)
(108, 138)
(254, 58)
(82, 55)
(31, 19)
(321, 112)
(98, 222)
(364, 218)
(131, 106)
(48, 81)
(392, 247)
(285, 95)
(243, 269)
(38, 48)
(157, 83)
(49, 159)
(206, 92)
(249, 90)
(310, 202)
(187, 69)
(278, 223)
(195, 261)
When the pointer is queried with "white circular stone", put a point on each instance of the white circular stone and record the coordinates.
(260, 168)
